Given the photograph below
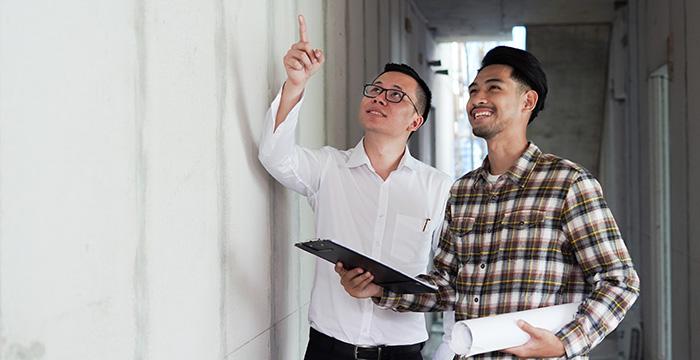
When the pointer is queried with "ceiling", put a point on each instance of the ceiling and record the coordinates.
(477, 19)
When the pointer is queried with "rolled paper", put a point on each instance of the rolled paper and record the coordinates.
(493, 333)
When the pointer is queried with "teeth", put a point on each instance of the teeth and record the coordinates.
(481, 114)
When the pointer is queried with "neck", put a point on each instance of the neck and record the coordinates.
(384, 153)
(504, 152)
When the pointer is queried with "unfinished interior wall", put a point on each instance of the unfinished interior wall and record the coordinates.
(663, 33)
(575, 58)
(136, 220)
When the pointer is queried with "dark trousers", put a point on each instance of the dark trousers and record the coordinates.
(323, 347)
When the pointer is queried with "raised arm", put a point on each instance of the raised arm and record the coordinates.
(301, 62)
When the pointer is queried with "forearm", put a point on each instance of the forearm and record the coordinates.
(290, 96)
(602, 311)
(442, 300)
(606, 264)
(278, 143)
(293, 166)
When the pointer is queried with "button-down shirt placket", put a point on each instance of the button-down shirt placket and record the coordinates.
(379, 229)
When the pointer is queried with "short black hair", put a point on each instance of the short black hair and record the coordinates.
(527, 70)
(423, 94)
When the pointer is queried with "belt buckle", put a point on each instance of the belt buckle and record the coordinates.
(369, 348)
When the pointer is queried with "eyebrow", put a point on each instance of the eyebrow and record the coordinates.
(491, 80)
(395, 86)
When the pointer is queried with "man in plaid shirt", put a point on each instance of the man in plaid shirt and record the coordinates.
(525, 230)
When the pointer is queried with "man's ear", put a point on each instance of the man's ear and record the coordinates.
(530, 100)
(416, 123)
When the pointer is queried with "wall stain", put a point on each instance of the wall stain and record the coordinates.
(16, 351)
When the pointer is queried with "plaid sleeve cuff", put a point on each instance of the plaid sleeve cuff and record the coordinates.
(575, 341)
(388, 300)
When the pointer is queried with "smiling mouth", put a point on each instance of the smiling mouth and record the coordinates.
(376, 113)
(481, 113)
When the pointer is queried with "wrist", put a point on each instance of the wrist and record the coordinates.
(561, 348)
(294, 88)
(561, 351)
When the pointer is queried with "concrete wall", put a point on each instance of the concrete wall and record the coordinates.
(575, 58)
(136, 221)
(663, 32)
(691, 10)
(72, 200)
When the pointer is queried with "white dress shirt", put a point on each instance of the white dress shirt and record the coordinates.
(392, 220)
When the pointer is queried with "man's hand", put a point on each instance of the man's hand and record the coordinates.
(358, 283)
(542, 343)
(302, 61)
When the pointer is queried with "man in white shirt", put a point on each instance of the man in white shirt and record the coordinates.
(374, 198)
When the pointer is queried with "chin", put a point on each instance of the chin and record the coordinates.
(482, 133)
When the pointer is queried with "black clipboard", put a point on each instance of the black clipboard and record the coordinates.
(384, 275)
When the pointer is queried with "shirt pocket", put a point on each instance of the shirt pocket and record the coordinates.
(523, 219)
(460, 226)
(411, 244)
(527, 238)
(463, 237)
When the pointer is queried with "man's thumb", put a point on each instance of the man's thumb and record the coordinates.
(526, 327)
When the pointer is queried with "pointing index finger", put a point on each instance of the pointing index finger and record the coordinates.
(302, 29)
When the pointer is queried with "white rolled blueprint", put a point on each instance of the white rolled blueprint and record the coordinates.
(492, 333)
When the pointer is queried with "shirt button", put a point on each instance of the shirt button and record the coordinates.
(483, 266)
(476, 299)
(381, 216)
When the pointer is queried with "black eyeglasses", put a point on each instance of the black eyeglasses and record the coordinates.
(392, 95)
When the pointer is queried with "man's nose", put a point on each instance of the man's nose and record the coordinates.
(380, 99)
(477, 99)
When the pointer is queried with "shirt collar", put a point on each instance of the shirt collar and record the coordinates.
(358, 157)
(520, 171)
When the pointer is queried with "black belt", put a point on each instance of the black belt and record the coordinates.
(362, 352)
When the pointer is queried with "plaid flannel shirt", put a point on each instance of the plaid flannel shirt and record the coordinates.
(541, 235)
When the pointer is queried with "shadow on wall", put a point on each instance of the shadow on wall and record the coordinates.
(270, 309)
